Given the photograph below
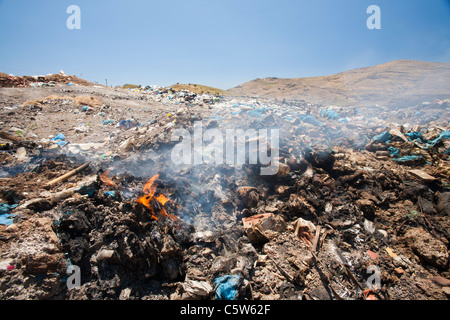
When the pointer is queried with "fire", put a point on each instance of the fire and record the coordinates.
(149, 197)
(104, 178)
(149, 187)
(162, 199)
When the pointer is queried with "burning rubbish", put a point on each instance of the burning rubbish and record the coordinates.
(357, 207)
(106, 180)
(149, 199)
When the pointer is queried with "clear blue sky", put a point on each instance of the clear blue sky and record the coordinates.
(220, 43)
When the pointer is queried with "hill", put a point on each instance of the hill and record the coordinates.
(396, 83)
(200, 89)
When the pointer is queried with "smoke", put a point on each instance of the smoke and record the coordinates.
(202, 164)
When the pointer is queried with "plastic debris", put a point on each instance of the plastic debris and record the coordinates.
(6, 208)
(415, 135)
(128, 124)
(257, 112)
(330, 114)
(87, 191)
(319, 148)
(311, 120)
(60, 140)
(442, 136)
(383, 137)
(108, 122)
(21, 154)
(393, 151)
(7, 264)
(110, 194)
(196, 289)
(408, 158)
(227, 287)
(6, 218)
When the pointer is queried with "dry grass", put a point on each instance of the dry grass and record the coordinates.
(129, 86)
(200, 89)
(81, 101)
(87, 101)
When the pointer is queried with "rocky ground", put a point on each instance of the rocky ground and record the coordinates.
(359, 208)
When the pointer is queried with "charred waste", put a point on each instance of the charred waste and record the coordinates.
(358, 207)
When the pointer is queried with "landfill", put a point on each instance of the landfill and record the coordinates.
(357, 210)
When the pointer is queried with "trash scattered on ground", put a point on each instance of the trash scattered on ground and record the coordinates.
(357, 191)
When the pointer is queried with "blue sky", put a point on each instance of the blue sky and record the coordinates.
(221, 43)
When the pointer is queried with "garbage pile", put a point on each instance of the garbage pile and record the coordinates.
(7, 81)
(357, 210)
(172, 96)
(50, 80)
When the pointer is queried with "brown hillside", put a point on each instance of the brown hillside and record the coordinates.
(396, 83)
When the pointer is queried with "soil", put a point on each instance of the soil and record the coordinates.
(339, 208)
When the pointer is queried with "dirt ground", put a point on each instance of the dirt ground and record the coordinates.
(349, 215)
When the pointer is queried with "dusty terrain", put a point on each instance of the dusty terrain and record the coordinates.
(356, 191)
(396, 83)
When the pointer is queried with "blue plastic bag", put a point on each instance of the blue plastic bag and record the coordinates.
(408, 158)
(110, 194)
(394, 152)
(311, 120)
(416, 135)
(59, 136)
(257, 112)
(442, 136)
(60, 140)
(6, 208)
(107, 122)
(61, 143)
(382, 137)
(330, 114)
(87, 190)
(227, 287)
(6, 218)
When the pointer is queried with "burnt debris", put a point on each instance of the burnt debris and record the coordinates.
(357, 208)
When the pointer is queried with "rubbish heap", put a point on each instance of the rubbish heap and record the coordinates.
(7, 80)
(358, 209)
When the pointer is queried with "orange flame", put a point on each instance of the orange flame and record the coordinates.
(147, 199)
(149, 188)
(162, 199)
(104, 178)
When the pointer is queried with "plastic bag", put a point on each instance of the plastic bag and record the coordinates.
(227, 287)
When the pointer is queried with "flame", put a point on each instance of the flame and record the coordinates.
(104, 178)
(162, 199)
(149, 197)
(149, 188)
